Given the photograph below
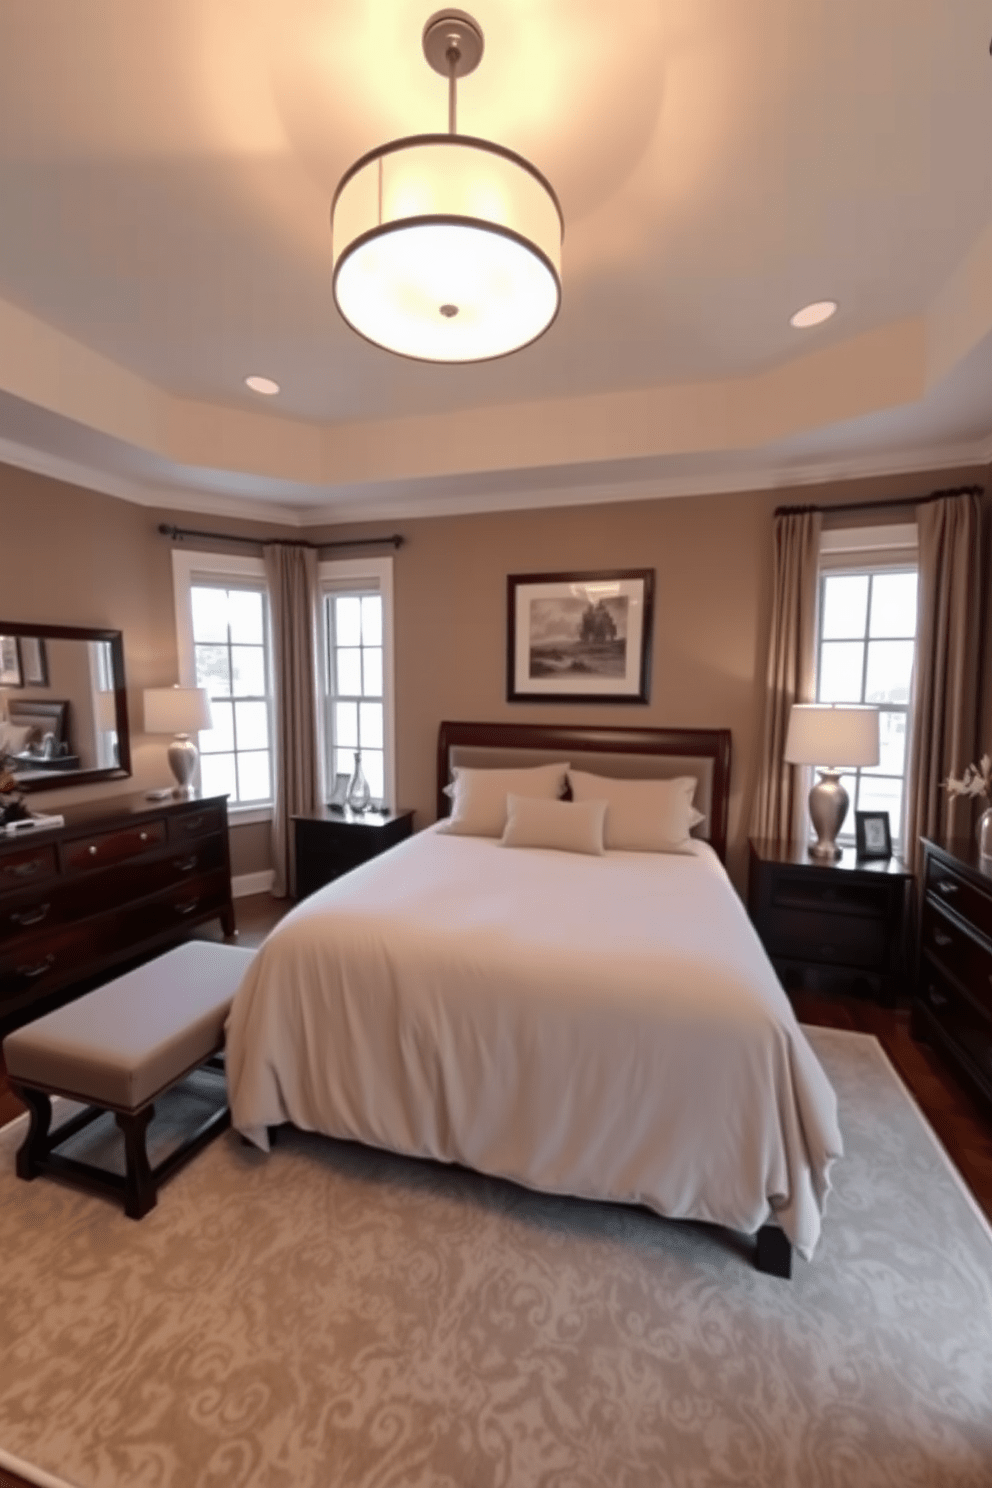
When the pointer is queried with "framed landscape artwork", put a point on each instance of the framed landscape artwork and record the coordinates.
(579, 637)
(10, 662)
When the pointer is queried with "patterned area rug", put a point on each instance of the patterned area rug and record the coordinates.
(330, 1315)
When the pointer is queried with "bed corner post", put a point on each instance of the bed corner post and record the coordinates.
(774, 1253)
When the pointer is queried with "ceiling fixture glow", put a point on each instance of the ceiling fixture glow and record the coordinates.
(447, 248)
(263, 385)
(813, 315)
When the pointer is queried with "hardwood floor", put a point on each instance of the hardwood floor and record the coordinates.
(964, 1127)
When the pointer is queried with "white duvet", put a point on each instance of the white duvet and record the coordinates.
(608, 1027)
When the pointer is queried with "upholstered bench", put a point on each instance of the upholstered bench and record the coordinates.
(119, 1048)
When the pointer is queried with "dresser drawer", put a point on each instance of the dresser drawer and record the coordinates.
(964, 956)
(945, 886)
(27, 865)
(969, 1029)
(808, 891)
(50, 958)
(196, 824)
(185, 903)
(102, 849)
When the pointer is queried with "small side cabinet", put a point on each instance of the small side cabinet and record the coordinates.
(831, 923)
(333, 842)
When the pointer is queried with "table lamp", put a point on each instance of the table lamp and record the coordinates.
(180, 711)
(847, 736)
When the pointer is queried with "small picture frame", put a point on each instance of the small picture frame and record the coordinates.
(339, 795)
(34, 661)
(10, 662)
(872, 834)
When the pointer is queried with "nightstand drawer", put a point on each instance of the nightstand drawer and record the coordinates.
(810, 891)
(945, 886)
(836, 939)
(964, 956)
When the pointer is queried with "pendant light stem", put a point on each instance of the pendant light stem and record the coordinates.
(454, 56)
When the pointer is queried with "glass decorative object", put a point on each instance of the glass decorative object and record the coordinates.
(359, 794)
(985, 834)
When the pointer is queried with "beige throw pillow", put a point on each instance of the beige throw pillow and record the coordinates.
(568, 826)
(479, 797)
(642, 815)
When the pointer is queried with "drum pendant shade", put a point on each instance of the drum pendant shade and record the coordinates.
(446, 248)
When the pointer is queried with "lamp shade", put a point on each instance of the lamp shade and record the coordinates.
(177, 710)
(820, 734)
(446, 248)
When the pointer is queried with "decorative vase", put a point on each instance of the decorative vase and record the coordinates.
(985, 834)
(359, 794)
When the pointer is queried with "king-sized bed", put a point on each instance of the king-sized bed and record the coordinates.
(600, 1023)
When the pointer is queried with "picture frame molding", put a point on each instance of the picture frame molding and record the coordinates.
(622, 694)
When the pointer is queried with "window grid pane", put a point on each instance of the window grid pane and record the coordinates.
(232, 662)
(865, 654)
(354, 675)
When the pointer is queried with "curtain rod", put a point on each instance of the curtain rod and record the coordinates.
(860, 506)
(394, 540)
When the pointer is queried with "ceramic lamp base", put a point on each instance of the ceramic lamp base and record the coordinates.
(828, 803)
(183, 756)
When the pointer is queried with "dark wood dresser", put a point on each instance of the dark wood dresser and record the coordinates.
(123, 878)
(954, 994)
(831, 924)
(333, 842)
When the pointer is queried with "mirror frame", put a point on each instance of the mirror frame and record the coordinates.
(66, 779)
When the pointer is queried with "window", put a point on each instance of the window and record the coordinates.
(865, 654)
(357, 680)
(223, 625)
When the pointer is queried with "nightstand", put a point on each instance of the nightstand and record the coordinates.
(954, 997)
(831, 924)
(331, 842)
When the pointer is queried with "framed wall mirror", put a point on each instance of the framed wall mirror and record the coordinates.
(63, 705)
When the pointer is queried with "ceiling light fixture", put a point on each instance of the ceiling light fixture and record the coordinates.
(447, 248)
(813, 315)
(263, 385)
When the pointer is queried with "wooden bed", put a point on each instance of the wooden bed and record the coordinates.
(373, 1011)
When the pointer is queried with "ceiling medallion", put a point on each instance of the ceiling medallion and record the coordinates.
(447, 248)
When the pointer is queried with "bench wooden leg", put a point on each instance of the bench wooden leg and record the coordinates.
(34, 1149)
(139, 1187)
(774, 1253)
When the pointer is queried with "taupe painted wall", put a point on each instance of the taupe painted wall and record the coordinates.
(76, 557)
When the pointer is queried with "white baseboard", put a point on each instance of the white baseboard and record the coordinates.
(252, 883)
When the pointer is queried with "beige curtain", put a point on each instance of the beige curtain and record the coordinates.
(780, 810)
(292, 579)
(945, 685)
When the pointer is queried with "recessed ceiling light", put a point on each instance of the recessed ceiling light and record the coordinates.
(813, 315)
(263, 385)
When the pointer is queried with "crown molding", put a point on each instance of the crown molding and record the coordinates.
(766, 477)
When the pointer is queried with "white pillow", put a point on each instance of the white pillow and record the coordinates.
(569, 826)
(642, 815)
(479, 796)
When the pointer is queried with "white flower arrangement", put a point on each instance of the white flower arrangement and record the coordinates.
(976, 780)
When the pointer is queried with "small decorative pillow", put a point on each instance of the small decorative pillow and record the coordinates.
(569, 826)
(479, 797)
(642, 815)
(13, 739)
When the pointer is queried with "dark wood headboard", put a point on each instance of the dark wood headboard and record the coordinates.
(647, 753)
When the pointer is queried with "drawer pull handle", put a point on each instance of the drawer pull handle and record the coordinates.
(33, 916)
(937, 998)
(37, 969)
(186, 865)
(25, 870)
(947, 887)
(941, 939)
(194, 822)
(186, 906)
(142, 836)
(92, 852)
